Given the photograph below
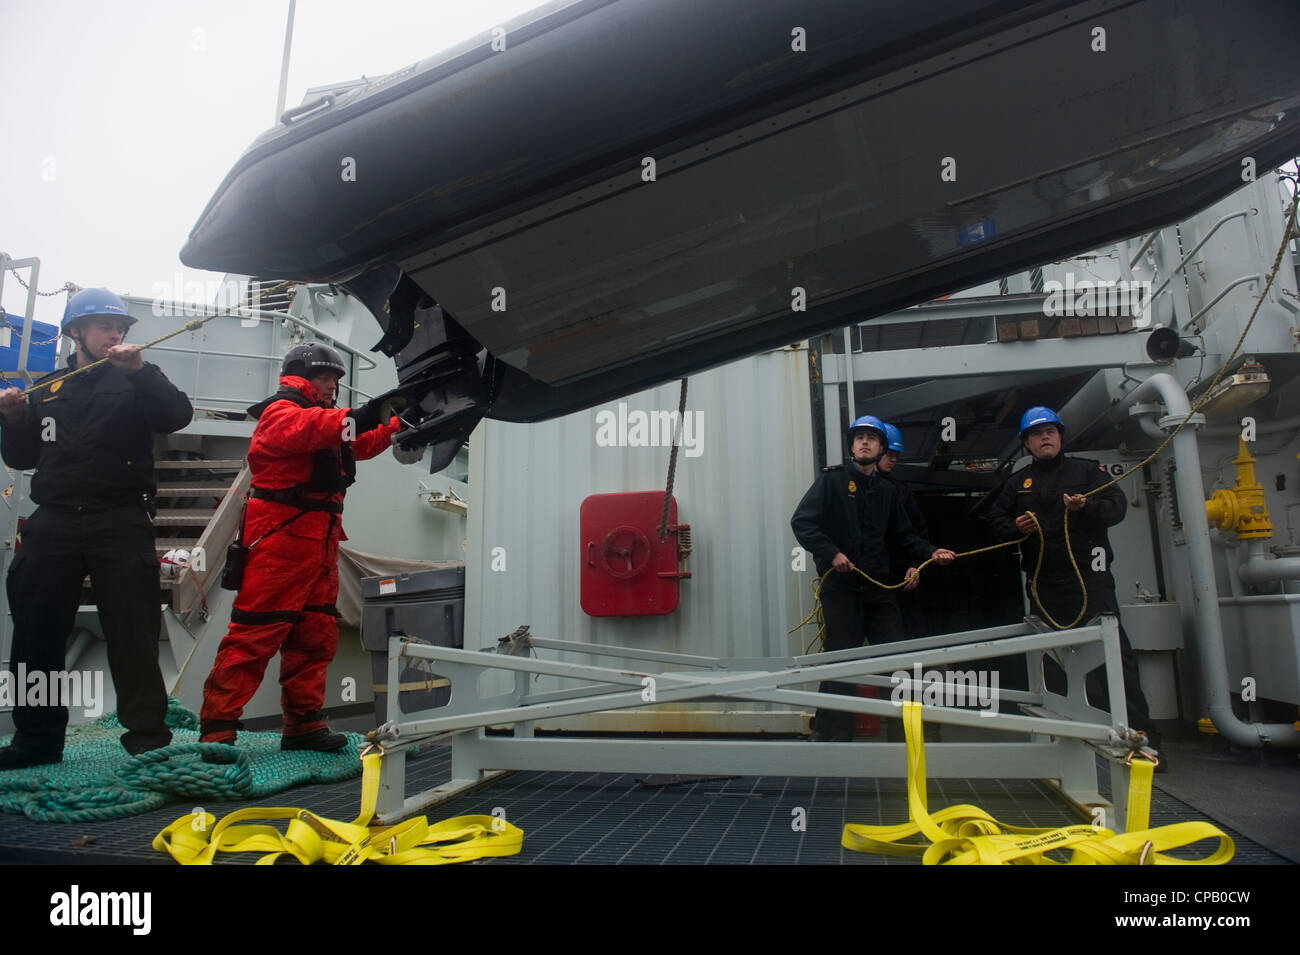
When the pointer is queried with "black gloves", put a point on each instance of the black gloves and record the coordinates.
(365, 418)
(379, 409)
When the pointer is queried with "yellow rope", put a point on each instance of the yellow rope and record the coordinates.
(817, 584)
(1033, 583)
(190, 326)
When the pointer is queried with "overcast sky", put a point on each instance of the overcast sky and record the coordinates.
(120, 119)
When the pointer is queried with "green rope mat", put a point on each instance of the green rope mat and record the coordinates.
(98, 780)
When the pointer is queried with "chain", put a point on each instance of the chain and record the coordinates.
(65, 287)
(672, 461)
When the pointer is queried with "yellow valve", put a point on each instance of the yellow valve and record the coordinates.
(1243, 509)
(1221, 510)
(1206, 725)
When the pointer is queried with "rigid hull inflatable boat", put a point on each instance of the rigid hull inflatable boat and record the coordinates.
(605, 194)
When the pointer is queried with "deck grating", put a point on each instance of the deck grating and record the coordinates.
(614, 819)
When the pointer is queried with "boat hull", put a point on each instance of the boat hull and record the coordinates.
(631, 192)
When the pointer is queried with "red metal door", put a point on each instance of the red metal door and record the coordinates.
(626, 569)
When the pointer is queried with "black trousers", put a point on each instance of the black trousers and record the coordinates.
(60, 546)
(1061, 598)
(909, 605)
(855, 618)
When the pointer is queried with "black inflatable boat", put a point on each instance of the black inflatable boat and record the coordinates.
(610, 193)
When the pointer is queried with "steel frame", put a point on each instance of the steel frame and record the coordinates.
(1063, 730)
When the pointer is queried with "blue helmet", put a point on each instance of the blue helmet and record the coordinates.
(1036, 416)
(867, 421)
(93, 302)
(895, 438)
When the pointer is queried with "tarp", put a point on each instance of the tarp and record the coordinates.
(355, 564)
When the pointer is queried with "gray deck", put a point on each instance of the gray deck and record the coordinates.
(613, 819)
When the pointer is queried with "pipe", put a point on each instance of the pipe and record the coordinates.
(848, 372)
(1204, 589)
(1151, 428)
(1270, 427)
(1249, 211)
(1233, 560)
(1259, 569)
(1142, 248)
(1243, 280)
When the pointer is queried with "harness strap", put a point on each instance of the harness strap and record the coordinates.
(967, 835)
(254, 617)
(294, 497)
(329, 609)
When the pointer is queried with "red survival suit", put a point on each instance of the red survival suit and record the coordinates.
(300, 469)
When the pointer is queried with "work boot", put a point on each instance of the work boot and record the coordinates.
(898, 734)
(224, 756)
(820, 732)
(321, 740)
(1162, 756)
(20, 757)
(219, 731)
(1155, 742)
(141, 743)
(842, 731)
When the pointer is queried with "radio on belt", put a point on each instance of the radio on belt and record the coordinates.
(626, 569)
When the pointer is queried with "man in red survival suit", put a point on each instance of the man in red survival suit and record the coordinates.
(303, 457)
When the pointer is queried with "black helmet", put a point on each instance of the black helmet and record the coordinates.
(308, 361)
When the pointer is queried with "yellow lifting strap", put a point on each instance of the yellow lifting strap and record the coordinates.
(195, 839)
(967, 835)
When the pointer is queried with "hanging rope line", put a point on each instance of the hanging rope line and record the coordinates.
(672, 461)
(816, 614)
(190, 326)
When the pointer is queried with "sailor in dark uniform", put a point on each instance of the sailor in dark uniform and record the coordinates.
(90, 438)
(849, 518)
(1051, 485)
(900, 567)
